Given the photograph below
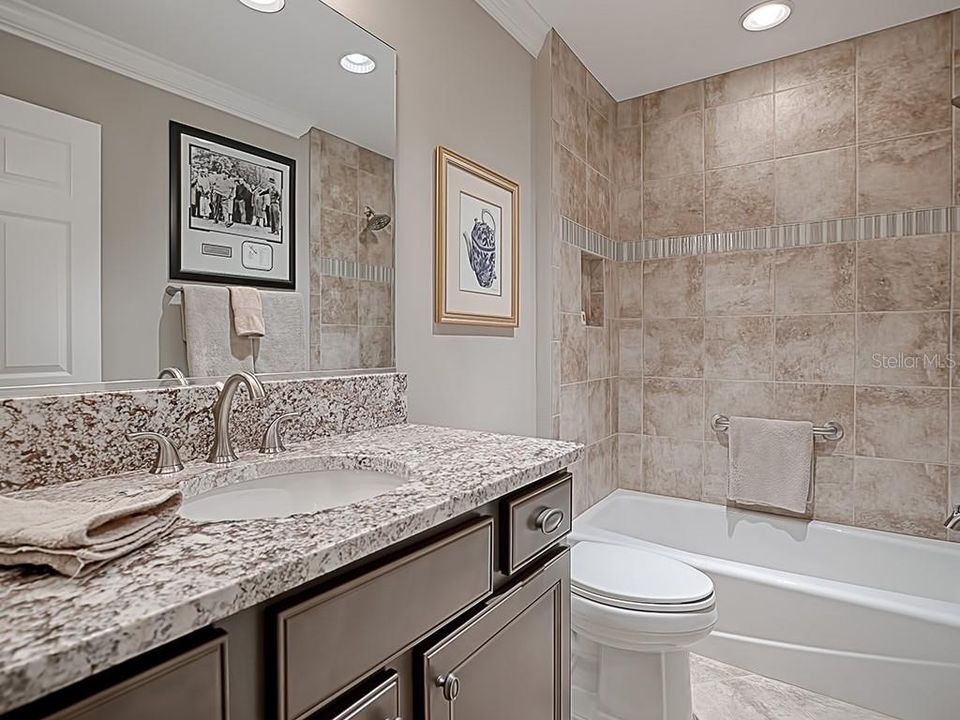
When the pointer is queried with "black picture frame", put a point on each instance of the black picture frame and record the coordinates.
(176, 272)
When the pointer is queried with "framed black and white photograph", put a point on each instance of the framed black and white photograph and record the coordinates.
(232, 213)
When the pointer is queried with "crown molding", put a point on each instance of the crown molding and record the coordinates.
(59, 33)
(519, 19)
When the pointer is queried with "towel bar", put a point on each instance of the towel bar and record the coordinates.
(828, 431)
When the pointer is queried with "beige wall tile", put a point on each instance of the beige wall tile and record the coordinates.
(628, 156)
(903, 100)
(819, 404)
(672, 408)
(738, 348)
(905, 174)
(815, 117)
(599, 143)
(566, 65)
(630, 286)
(738, 133)
(904, 274)
(339, 301)
(599, 202)
(816, 279)
(630, 338)
(673, 287)
(338, 149)
(740, 399)
(815, 348)
(629, 215)
(599, 98)
(338, 185)
(339, 347)
(630, 404)
(673, 147)
(372, 162)
(598, 411)
(673, 102)
(739, 84)
(739, 197)
(830, 61)
(376, 346)
(673, 347)
(630, 112)
(739, 283)
(570, 114)
(833, 489)
(375, 303)
(570, 278)
(598, 352)
(716, 464)
(673, 206)
(902, 423)
(630, 449)
(924, 41)
(903, 348)
(573, 349)
(818, 186)
(338, 233)
(573, 412)
(900, 497)
(375, 247)
(672, 467)
(571, 182)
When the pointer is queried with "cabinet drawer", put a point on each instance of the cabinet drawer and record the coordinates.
(327, 643)
(511, 661)
(537, 519)
(191, 686)
(380, 702)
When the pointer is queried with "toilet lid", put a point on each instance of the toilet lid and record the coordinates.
(631, 578)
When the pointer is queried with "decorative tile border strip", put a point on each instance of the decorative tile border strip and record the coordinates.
(931, 221)
(356, 271)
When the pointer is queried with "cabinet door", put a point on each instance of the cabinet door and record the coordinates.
(511, 661)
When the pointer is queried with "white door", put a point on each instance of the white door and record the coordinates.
(49, 246)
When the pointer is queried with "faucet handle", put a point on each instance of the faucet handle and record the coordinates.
(272, 439)
(168, 458)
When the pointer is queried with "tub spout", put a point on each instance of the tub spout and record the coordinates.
(953, 522)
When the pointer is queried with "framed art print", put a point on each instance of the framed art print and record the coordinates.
(477, 251)
(232, 213)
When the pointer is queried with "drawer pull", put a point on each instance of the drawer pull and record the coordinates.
(451, 686)
(550, 520)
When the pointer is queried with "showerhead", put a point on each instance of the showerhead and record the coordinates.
(375, 221)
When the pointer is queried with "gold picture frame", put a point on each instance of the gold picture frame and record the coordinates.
(480, 283)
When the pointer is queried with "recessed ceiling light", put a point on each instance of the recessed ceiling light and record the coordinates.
(357, 63)
(766, 15)
(266, 6)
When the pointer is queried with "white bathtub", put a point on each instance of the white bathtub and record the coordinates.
(868, 617)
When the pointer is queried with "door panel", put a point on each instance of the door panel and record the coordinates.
(512, 660)
(49, 246)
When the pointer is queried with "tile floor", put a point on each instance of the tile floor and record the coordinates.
(725, 692)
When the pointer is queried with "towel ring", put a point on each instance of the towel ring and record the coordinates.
(828, 431)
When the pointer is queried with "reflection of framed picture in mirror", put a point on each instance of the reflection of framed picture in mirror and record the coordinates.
(232, 213)
(477, 250)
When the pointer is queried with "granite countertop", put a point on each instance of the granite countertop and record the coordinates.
(56, 631)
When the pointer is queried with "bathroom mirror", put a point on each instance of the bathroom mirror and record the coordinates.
(156, 155)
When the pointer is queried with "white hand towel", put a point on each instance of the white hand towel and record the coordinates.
(75, 537)
(247, 311)
(283, 348)
(213, 347)
(771, 463)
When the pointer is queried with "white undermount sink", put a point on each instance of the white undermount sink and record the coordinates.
(290, 493)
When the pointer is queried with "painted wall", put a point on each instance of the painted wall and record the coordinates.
(135, 193)
(463, 82)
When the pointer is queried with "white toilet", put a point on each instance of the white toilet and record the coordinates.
(634, 616)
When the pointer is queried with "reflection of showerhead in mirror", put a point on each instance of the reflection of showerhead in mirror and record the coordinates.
(375, 221)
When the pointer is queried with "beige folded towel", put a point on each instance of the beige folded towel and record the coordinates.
(247, 311)
(771, 463)
(75, 537)
(213, 347)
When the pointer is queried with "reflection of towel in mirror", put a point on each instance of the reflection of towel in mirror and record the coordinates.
(76, 537)
(213, 347)
(283, 348)
(247, 311)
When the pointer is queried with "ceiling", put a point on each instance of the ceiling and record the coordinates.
(638, 46)
(289, 60)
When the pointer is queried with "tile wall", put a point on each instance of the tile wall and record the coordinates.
(351, 266)
(859, 331)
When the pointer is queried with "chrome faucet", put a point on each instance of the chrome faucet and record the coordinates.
(222, 451)
(953, 522)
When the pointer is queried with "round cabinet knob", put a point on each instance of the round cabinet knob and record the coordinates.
(451, 686)
(550, 520)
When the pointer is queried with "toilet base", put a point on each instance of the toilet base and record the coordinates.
(613, 684)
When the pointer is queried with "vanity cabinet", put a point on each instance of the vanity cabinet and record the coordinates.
(511, 660)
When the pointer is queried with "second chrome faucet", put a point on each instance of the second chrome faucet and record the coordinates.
(222, 451)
